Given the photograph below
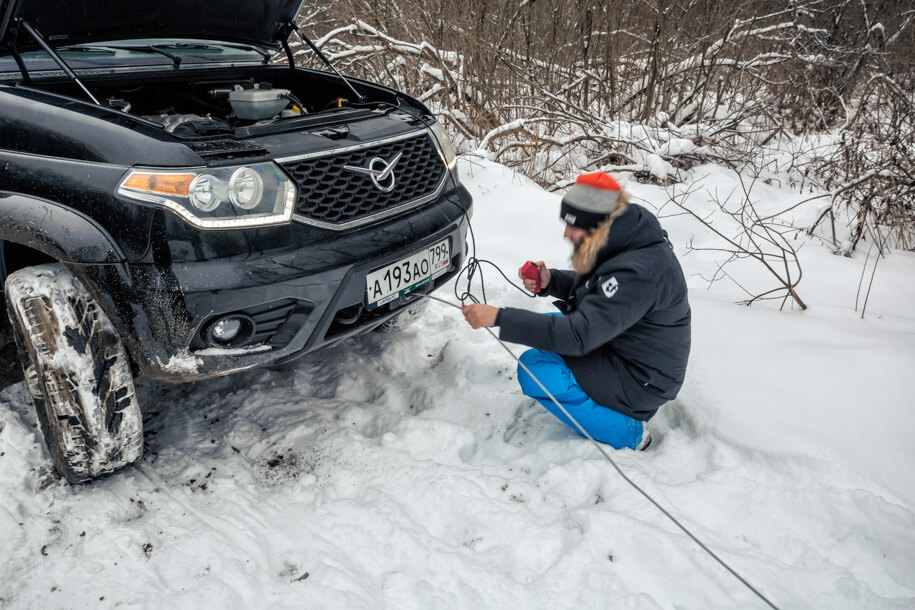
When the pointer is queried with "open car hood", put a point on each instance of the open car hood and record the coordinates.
(255, 22)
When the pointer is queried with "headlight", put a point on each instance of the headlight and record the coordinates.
(245, 188)
(217, 198)
(202, 193)
(445, 147)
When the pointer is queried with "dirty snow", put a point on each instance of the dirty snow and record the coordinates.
(231, 351)
(408, 471)
(182, 363)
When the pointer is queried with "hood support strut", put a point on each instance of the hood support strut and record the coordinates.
(57, 58)
(5, 29)
(26, 77)
(293, 26)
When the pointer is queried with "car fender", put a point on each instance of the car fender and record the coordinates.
(81, 245)
(59, 231)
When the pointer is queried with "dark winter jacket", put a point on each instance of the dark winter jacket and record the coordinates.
(626, 330)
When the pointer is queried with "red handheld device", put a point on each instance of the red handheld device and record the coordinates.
(530, 271)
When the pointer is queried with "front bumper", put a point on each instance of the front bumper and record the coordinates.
(307, 297)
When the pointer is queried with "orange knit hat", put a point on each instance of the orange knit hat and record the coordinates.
(590, 200)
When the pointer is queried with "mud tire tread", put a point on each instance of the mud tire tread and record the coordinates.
(87, 406)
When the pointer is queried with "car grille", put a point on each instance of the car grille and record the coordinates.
(333, 197)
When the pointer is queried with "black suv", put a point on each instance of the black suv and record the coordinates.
(175, 204)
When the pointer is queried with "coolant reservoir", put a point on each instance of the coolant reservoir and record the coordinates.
(258, 104)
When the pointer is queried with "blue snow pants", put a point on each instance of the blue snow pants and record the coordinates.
(602, 423)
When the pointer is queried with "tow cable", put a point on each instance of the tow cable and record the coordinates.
(472, 266)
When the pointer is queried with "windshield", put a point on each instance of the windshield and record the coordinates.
(151, 53)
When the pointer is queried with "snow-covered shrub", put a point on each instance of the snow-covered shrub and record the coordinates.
(818, 95)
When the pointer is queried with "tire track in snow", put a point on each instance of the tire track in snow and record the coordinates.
(241, 542)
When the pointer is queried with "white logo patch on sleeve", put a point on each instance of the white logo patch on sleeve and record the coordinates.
(610, 287)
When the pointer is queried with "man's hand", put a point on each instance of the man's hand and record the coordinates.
(529, 285)
(479, 315)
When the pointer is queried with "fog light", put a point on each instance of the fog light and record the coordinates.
(233, 330)
(226, 329)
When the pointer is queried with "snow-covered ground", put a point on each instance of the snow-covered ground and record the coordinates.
(409, 472)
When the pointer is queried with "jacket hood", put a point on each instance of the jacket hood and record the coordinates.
(630, 227)
(256, 22)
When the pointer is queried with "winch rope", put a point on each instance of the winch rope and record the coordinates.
(613, 463)
(472, 266)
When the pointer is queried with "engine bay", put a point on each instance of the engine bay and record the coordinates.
(196, 107)
(206, 107)
(239, 102)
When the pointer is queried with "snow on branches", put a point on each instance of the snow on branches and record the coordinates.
(814, 94)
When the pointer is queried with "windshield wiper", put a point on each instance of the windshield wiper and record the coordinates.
(202, 46)
(87, 49)
(188, 45)
(151, 48)
(267, 56)
(166, 49)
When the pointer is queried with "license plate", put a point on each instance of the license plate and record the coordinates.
(392, 281)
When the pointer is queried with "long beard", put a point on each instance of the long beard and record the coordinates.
(576, 254)
(585, 254)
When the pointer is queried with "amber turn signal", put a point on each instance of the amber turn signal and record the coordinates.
(166, 184)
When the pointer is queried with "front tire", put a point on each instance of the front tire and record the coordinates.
(77, 372)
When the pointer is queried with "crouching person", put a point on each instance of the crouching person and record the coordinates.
(618, 351)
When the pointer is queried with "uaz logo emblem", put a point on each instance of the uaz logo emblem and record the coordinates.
(383, 176)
